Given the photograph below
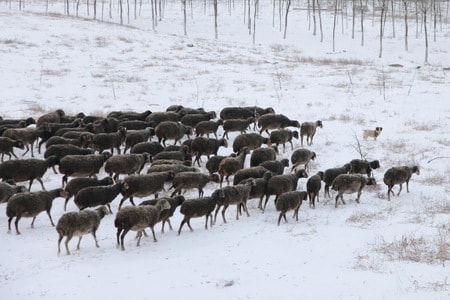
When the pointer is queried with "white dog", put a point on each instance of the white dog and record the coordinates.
(372, 133)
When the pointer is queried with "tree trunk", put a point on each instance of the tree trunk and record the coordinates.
(353, 18)
(288, 4)
(424, 11)
(320, 21)
(405, 5)
(121, 12)
(184, 17)
(254, 20)
(362, 22)
(153, 14)
(334, 24)
(382, 18)
(216, 35)
(249, 19)
(314, 17)
(393, 18)
(273, 14)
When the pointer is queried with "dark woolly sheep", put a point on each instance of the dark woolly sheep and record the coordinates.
(59, 140)
(195, 208)
(261, 155)
(360, 166)
(76, 184)
(29, 205)
(107, 125)
(82, 165)
(276, 166)
(109, 141)
(27, 122)
(169, 130)
(399, 175)
(181, 155)
(7, 146)
(71, 118)
(93, 196)
(158, 162)
(230, 165)
(165, 215)
(241, 125)
(290, 201)
(349, 184)
(52, 117)
(175, 168)
(249, 140)
(126, 164)
(130, 115)
(134, 137)
(259, 111)
(193, 119)
(7, 190)
(212, 165)
(135, 125)
(302, 157)
(48, 130)
(275, 121)
(259, 187)
(255, 172)
(143, 185)
(27, 135)
(283, 136)
(206, 146)
(62, 150)
(279, 184)
(75, 133)
(309, 129)
(137, 218)
(151, 148)
(207, 127)
(236, 113)
(191, 180)
(330, 174)
(27, 169)
(79, 223)
(158, 117)
(188, 110)
(237, 194)
(313, 186)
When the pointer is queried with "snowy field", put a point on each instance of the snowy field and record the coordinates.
(377, 249)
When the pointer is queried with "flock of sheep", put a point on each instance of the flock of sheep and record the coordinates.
(82, 145)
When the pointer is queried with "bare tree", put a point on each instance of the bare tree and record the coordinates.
(405, 5)
(424, 8)
(320, 21)
(314, 17)
(121, 12)
(362, 22)
(288, 4)
(393, 18)
(216, 35)
(184, 17)
(254, 20)
(334, 24)
(249, 19)
(153, 13)
(382, 20)
(353, 17)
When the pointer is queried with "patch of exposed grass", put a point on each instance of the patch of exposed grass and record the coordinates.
(364, 219)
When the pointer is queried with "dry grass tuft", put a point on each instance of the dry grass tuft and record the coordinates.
(365, 219)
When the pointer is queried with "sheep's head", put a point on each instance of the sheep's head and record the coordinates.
(415, 170)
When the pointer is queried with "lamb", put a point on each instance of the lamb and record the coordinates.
(212, 165)
(282, 136)
(30, 205)
(27, 135)
(151, 148)
(302, 156)
(166, 214)
(76, 184)
(207, 127)
(62, 150)
(259, 187)
(290, 201)
(137, 218)
(349, 184)
(7, 146)
(313, 186)
(236, 113)
(330, 174)
(372, 133)
(359, 166)
(181, 155)
(126, 164)
(240, 125)
(143, 185)
(195, 208)
(261, 155)
(237, 194)
(158, 117)
(7, 190)
(275, 166)
(105, 141)
(93, 196)
(255, 172)
(275, 121)
(79, 223)
(230, 165)
(399, 175)
(206, 146)
(280, 184)
(134, 137)
(249, 140)
(82, 165)
(171, 130)
(52, 117)
(309, 129)
(193, 119)
(27, 169)
(191, 180)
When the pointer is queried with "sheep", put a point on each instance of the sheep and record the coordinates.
(7, 190)
(360, 166)
(174, 168)
(143, 185)
(106, 125)
(76, 184)
(64, 132)
(129, 115)
(27, 135)
(137, 218)
(82, 165)
(259, 111)
(93, 196)
(212, 165)
(62, 150)
(195, 208)
(249, 140)
(27, 169)
(259, 187)
(188, 110)
(171, 130)
(313, 186)
(282, 136)
(28, 121)
(349, 184)
(68, 119)
(193, 119)
(59, 140)
(236, 113)
(7, 146)
(151, 148)
(230, 165)
(134, 137)
(261, 155)
(166, 214)
(207, 127)
(302, 157)
(330, 174)
(78, 224)
(275, 166)
(158, 162)
(237, 194)
(49, 130)
(275, 121)
(181, 155)
(52, 117)
(30, 205)
(240, 125)
(191, 180)
(3, 128)
(399, 175)
(105, 141)
(255, 172)
(309, 129)
(372, 133)
(279, 184)
(126, 164)
(290, 201)
(158, 117)
(135, 124)
(206, 146)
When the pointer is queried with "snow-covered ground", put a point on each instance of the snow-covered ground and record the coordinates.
(377, 249)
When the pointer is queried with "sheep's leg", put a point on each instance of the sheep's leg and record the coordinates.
(9, 224)
(407, 187)
(181, 225)
(139, 236)
(189, 224)
(154, 236)
(400, 189)
(12, 152)
(215, 214)
(125, 231)
(244, 204)
(260, 202)
(28, 149)
(49, 216)
(40, 181)
(279, 218)
(95, 239)
(65, 204)
(359, 195)
(301, 140)
(59, 243)
(296, 213)
(29, 186)
(225, 206)
(79, 241)
(68, 238)
(119, 230)
(265, 203)
(336, 204)
(16, 223)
